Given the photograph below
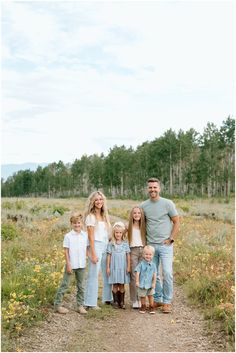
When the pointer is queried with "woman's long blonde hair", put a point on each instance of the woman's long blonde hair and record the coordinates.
(142, 225)
(90, 207)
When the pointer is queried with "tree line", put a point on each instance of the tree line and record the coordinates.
(187, 163)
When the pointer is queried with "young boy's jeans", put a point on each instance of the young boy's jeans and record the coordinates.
(91, 292)
(80, 282)
(164, 256)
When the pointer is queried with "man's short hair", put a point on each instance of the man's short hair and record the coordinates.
(154, 180)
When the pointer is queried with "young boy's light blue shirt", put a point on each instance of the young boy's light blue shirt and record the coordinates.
(146, 271)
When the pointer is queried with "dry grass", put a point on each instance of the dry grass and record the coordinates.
(32, 261)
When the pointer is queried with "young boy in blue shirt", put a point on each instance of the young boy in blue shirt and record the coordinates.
(145, 276)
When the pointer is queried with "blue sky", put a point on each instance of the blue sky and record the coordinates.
(79, 77)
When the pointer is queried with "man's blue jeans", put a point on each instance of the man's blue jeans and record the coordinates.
(91, 291)
(164, 257)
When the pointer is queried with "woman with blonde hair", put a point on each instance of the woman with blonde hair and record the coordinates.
(98, 229)
(137, 241)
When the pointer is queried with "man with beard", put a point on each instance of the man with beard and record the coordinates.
(162, 226)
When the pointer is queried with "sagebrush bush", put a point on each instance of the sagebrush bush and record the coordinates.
(8, 231)
(32, 263)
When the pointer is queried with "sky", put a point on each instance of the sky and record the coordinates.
(79, 77)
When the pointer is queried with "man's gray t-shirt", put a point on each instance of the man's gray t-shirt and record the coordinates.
(158, 221)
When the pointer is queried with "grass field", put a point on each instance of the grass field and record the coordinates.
(32, 258)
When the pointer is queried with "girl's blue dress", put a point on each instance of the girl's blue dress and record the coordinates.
(118, 264)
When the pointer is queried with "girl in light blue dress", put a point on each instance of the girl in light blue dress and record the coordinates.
(118, 264)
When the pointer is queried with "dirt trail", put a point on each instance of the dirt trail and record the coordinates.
(184, 330)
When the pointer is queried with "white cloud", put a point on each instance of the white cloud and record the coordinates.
(99, 72)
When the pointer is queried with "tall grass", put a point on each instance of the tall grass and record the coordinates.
(33, 260)
(204, 266)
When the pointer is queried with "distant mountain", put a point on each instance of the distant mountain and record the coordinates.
(9, 169)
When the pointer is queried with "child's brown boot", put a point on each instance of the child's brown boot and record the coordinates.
(115, 303)
(122, 300)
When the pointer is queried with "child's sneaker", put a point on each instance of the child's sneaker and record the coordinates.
(136, 305)
(151, 310)
(142, 310)
(61, 310)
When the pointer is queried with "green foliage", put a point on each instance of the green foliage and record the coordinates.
(8, 231)
(187, 164)
(32, 264)
(19, 205)
(7, 205)
(185, 208)
(107, 311)
(59, 209)
(203, 265)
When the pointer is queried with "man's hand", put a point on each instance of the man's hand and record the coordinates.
(168, 241)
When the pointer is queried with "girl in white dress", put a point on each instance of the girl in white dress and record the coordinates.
(137, 241)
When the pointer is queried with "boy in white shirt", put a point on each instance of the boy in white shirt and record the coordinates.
(75, 247)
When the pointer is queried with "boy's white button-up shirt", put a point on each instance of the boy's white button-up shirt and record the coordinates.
(77, 244)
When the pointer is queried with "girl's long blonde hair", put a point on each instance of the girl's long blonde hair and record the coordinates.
(90, 207)
(142, 225)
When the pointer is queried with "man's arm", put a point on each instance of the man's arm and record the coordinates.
(175, 230)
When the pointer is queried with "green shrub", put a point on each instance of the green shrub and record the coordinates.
(20, 204)
(185, 208)
(8, 231)
(7, 205)
(36, 209)
(59, 209)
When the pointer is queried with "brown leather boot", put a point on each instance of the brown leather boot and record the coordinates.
(115, 303)
(157, 305)
(166, 309)
(122, 300)
(118, 298)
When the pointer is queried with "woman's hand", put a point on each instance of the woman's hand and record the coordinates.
(108, 272)
(94, 258)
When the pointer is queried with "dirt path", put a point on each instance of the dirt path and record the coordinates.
(184, 330)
